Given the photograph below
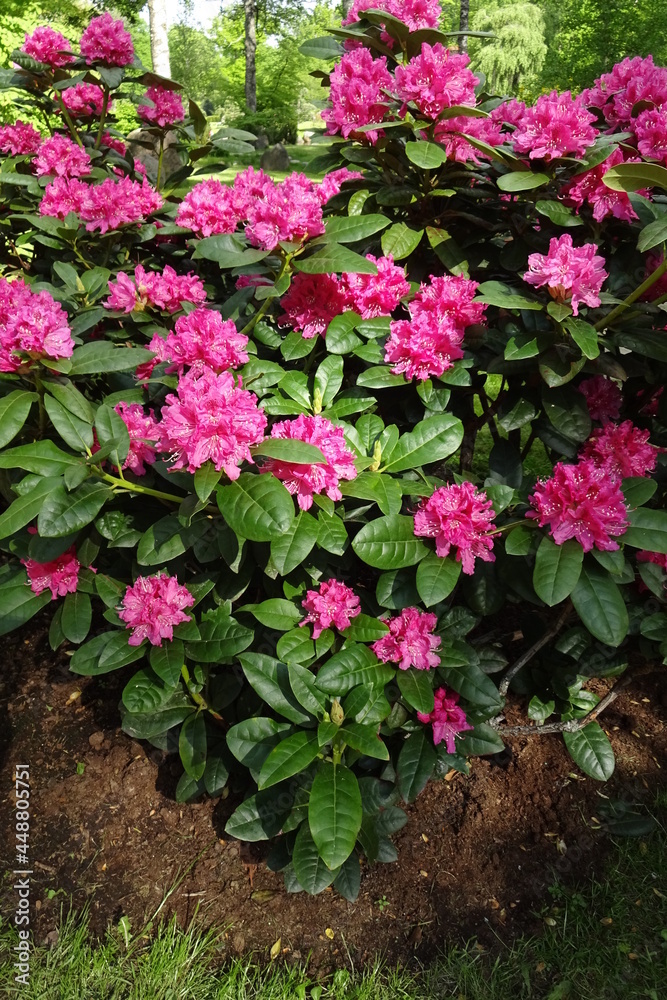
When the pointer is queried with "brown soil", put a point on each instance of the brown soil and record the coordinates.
(475, 858)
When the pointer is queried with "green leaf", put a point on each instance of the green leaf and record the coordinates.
(350, 228)
(364, 739)
(472, 684)
(652, 235)
(332, 533)
(312, 872)
(167, 661)
(496, 293)
(288, 450)
(557, 569)
(389, 543)
(112, 431)
(432, 440)
(415, 766)
(252, 740)
(519, 541)
(540, 710)
(307, 693)
(334, 813)
(384, 490)
(296, 646)
(216, 772)
(291, 548)
(364, 628)
(74, 431)
(348, 879)
(436, 578)
(205, 481)
(145, 692)
(367, 705)
(14, 410)
(560, 214)
(400, 241)
(270, 679)
(323, 47)
(192, 745)
(27, 506)
(521, 180)
(340, 335)
(355, 664)
(638, 490)
(76, 617)
(584, 335)
(276, 613)
(635, 176)
(19, 604)
(291, 756)
(379, 377)
(591, 750)
(101, 357)
(106, 652)
(261, 816)
(426, 155)
(600, 605)
(64, 513)
(648, 530)
(417, 689)
(41, 457)
(480, 741)
(221, 639)
(329, 378)
(256, 507)
(334, 258)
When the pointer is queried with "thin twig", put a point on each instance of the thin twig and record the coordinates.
(573, 725)
(535, 648)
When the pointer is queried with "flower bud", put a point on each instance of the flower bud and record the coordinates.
(337, 714)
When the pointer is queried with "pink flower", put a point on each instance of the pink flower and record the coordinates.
(509, 112)
(557, 125)
(416, 14)
(203, 336)
(621, 450)
(573, 274)
(113, 142)
(581, 501)
(291, 211)
(49, 47)
(112, 204)
(629, 82)
(302, 480)
(659, 287)
(142, 429)
(590, 188)
(59, 575)
(410, 641)
(436, 79)
(152, 606)
(20, 139)
(207, 209)
(332, 182)
(166, 109)
(312, 301)
(84, 100)
(419, 348)
(32, 323)
(658, 558)
(377, 294)
(61, 157)
(461, 516)
(447, 718)
(357, 95)
(249, 186)
(166, 291)
(603, 398)
(63, 196)
(454, 135)
(211, 418)
(105, 40)
(448, 299)
(651, 131)
(333, 604)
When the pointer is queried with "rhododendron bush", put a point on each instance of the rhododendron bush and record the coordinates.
(327, 469)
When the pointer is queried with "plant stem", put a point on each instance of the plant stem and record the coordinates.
(105, 108)
(40, 400)
(250, 325)
(70, 123)
(638, 292)
(159, 163)
(535, 648)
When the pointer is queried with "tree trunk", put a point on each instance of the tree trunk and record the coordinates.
(463, 25)
(250, 54)
(159, 31)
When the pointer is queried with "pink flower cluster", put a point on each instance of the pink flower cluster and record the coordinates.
(84, 100)
(455, 135)
(557, 125)
(621, 450)
(378, 294)
(357, 95)
(589, 188)
(312, 301)
(153, 606)
(303, 481)
(436, 79)
(59, 575)
(166, 291)
(113, 142)
(166, 107)
(447, 718)
(410, 641)
(49, 47)
(603, 398)
(144, 432)
(630, 82)
(331, 604)
(31, 323)
(60, 157)
(207, 209)
(430, 342)
(458, 516)
(417, 14)
(106, 41)
(202, 337)
(651, 132)
(210, 418)
(332, 182)
(104, 206)
(20, 139)
(572, 274)
(581, 501)
(657, 558)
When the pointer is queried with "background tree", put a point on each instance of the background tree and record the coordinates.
(515, 56)
(158, 26)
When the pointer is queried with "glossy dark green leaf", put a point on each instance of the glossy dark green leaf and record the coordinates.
(292, 755)
(648, 530)
(389, 543)
(14, 410)
(365, 739)
(270, 679)
(600, 605)
(591, 750)
(167, 661)
(356, 664)
(192, 745)
(26, 507)
(436, 578)
(416, 762)
(76, 616)
(106, 652)
(417, 689)
(256, 507)
(432, 440)
(63, 513)
(312, 872)
(557, 569)
(291, 548)
(334, 813)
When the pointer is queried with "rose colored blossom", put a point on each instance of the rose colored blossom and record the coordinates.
(84, 100)
(572, 274)
(303, 481)
(377, 294)
(152, 606)
(509, 112)
(436, 79)
(207, 209)
(590, 188)
(142, 428)
(255, 281)
(651, 407)
(659, 287)
(164, 291)
(410, 641)
(461, 516)
(203, 336)
(581, 501)
(449, 299)
(62, 196)
(651, 131)
(105, 40)
(60, 157)
(418, 348)
(629, 82)
(166, 109)
(211, 418)
(312, 301)
(357, 95)
(59, 575)
(112, 204)
(332, 182)
(249, 186)
(622, 450)
(603, 398)
(159, 347)
(453, 134)
(20, 139)
(113, 142)
(416, 14)
(557, 125)
(290, 212)
(332, 604)
(32, 323)
(658, 558)
(49, 47)
(447, 718)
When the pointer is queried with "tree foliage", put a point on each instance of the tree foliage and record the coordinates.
(516, 54)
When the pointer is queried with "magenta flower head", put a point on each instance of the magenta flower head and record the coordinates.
(589, 188)
(416, 14)
(357, 95)
(603, 398)
(208, 209)
(59, 575)
(166, 107)
(153, 606)
(144, 433)
(378, 294)
(581, 501)
(60, 157)
(106, 41)
(447, 718)
(332, 604)
(558, 125)
(204, 336)
(572, 274)
(84, 100)
(458, 516)
(20, 139)
(312, 301)
(622, 450)
(410, 641)
(32, 325)
(49, 47)
(436, 79)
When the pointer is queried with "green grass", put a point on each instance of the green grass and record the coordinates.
(301, 157)
(604, 939)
